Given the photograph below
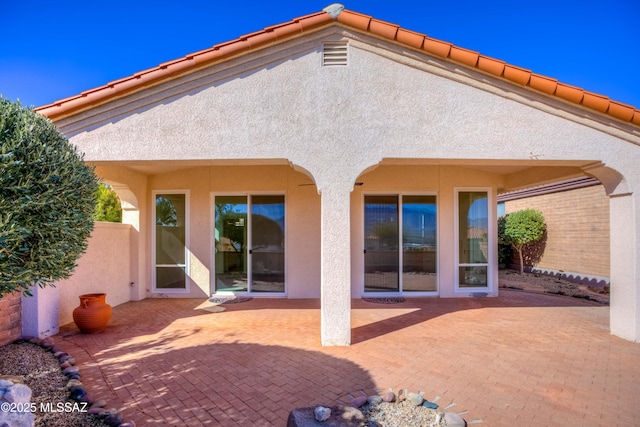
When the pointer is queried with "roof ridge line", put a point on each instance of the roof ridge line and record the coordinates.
(336, 12)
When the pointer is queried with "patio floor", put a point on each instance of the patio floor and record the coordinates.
(519, 359)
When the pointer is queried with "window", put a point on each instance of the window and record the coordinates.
(400, 243)
(170, 238)
(473, 239)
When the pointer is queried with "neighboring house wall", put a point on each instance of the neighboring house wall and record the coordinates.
(577, 229)
(104, 268)
(10, 318)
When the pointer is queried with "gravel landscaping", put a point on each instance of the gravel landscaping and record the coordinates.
(40, 370)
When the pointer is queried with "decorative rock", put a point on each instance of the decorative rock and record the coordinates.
(114, 419)
(322, 414)
(374, 400)
(73, 383)
(71, 361)
(71, 370)
(429, 405)
(358, 401)
(18, 393)
(341, 416)
(454, 420)
(65, 365)
(59, 355)
(389, 396)
(402, 395)
(77, 393)
(128, 424)
(416, 398)
(74, 376)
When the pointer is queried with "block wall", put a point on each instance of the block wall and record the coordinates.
(577, 229)
(10, 318)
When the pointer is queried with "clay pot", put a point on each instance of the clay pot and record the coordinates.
(93, 313)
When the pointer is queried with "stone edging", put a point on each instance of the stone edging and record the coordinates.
(77, 391)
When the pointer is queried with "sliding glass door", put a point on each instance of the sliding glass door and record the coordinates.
(400, 243)
(249, 243)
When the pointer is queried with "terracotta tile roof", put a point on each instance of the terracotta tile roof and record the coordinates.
(298, 26)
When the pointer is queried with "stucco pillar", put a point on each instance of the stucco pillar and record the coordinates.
(40, 312)
(335, 268)
(625, 267)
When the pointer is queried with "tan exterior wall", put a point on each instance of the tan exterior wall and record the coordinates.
(10, 318)
(577, 229)
(302, 220)
(104, 268)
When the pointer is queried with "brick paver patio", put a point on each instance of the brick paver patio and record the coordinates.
(519, 359)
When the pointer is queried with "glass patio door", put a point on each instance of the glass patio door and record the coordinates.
(400, 244)
(249, 244)
(381, 260)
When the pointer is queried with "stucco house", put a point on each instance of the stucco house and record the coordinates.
(338, 156)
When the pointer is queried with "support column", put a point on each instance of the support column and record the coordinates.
(40, 312)
(625, 267)
(335, 265)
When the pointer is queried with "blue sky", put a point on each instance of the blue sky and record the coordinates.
(56, 49)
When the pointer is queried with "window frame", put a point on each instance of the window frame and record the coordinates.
(212, 272)
(491, 242)
(401, 292)
(187, 244)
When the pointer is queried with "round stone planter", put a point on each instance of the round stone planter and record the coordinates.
(93, 313)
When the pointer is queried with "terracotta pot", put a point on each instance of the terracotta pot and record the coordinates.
(93, 313)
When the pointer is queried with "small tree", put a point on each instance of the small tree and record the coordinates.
(47, 201)
(108, 207)
(522, 228)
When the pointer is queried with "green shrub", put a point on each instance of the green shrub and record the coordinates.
(504, 247)
(108, 207)
(522, 228)
(47, 201)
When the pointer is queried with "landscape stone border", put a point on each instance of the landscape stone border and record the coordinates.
(382, 408)
(77, 390)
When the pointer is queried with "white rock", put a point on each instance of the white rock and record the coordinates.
(321, 413)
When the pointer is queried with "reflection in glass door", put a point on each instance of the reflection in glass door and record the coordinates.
(231, 243)
(394, 222)
(267, 244)
(249, 243)
(419, 244)
(381, 260)
(473, 239)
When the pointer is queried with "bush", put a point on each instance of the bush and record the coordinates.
(47, 201)
(522, 228)
(504, 247)
(108, 207)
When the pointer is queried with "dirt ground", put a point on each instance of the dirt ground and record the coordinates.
(532, 282)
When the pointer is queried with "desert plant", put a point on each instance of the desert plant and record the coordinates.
(108, 207)
(522, 228)
(47, 201)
